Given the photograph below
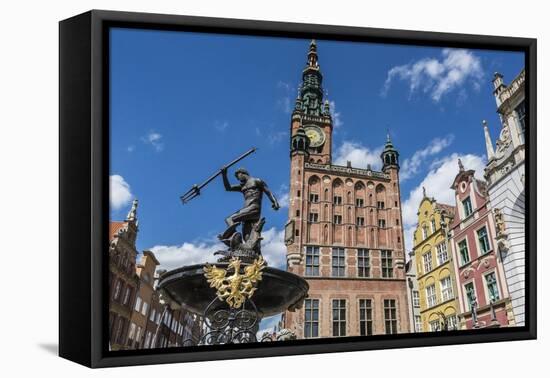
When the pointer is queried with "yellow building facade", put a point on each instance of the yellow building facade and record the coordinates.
(434, 268)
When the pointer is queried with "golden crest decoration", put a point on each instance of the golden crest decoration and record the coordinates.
(235, 288)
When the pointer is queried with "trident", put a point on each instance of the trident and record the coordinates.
(196, 189)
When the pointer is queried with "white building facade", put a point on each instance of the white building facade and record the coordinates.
(505, 175)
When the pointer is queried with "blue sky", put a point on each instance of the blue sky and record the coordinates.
(184, 104)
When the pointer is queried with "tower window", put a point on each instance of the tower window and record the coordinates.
(297, 213)
(312, 261)
(311, 321)
(298, 193)
(360, 221)
(380, 204)
(390, 316)
(387, 264)
(337, 219)
(359, 202)
(313, 197)
(363, 263)
(338, 262)
(382, 223)
(313, 217)
(365, 317)
(337, 200)
(338, 317)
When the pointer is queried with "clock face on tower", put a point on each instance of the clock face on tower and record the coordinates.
(316, 135)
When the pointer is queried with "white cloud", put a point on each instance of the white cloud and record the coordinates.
(119, 192)
(175, 256)
(154, 139)
(359, 155)
(438, 77)
(273, 248)
(438, 185)
(131, 148)
(411, 165)
(282, 196)
(221, 126)
(336, 116)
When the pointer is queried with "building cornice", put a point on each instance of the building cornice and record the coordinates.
(348, 171)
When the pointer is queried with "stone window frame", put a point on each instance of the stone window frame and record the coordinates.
(367, 320)
(439, 253)
(396, 319)
(318, 300)
(338, 266)
(418, 326)
(313, 217)
(364, 258)
(416, 298)
(315, 267)
(388, 268)
(471, 207)
(313, 197)
(478, 243)
(341, 323)
(461, 262)
(486, 285)
(427, 262)
(447, 289)
(429, 303)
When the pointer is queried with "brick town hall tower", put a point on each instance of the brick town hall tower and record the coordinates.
(344, 234)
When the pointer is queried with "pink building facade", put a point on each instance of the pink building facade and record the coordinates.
(482, 290)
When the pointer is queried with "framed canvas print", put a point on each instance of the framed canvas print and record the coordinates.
(234, 188)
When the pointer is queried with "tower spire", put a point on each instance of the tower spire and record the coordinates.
(312, 55)
(488, 142)
(311, 92)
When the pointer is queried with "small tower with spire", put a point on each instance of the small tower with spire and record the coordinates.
(299, 143)
(389, 156)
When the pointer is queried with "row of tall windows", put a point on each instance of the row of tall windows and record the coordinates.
(339, 318)
(338, 262)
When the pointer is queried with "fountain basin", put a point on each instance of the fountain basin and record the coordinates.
(277, 292)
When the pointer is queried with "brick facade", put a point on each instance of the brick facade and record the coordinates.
(349, 217)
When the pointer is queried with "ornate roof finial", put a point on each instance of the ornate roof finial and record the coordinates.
(424, 191)
(460, 165)
(132, 214)
(312, 55)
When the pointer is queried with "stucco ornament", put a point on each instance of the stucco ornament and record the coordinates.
(502, 235)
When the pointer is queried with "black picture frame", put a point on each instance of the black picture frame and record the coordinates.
(84, 192)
